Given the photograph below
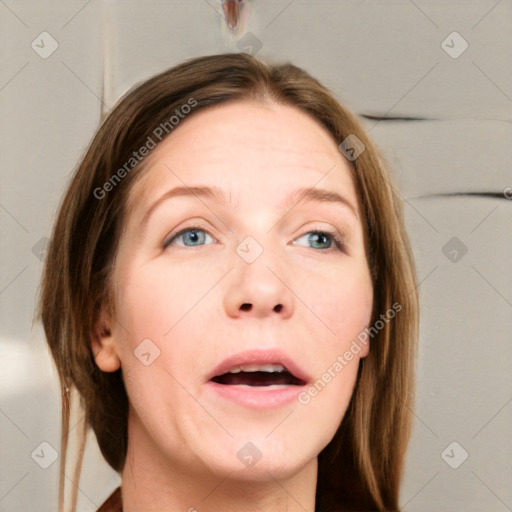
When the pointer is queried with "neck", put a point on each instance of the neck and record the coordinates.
(153, 483)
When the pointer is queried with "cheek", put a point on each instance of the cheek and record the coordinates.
(325, 401)
(343, 304)
(157, 318)
(154, 300)
(162, 315)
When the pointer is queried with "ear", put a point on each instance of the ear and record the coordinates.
(103, 345)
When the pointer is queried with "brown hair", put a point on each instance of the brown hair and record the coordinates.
(361, 468)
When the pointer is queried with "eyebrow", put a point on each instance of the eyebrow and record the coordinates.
(217, 194)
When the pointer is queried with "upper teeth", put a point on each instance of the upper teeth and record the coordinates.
(258, 368)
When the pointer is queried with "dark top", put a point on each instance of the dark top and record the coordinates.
(113, 503)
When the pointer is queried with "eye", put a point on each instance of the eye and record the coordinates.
(323, 240)
(193, 234)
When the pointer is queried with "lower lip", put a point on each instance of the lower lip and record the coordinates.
(257, 397)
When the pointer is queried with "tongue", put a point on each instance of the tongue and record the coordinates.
(255, 378)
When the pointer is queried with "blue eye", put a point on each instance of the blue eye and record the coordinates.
(321, 238)
(195, 235)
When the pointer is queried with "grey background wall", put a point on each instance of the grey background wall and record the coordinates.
(438, 73)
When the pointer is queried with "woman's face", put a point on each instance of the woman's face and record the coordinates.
(235, 278)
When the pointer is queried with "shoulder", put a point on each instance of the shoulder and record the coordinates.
(113, 503)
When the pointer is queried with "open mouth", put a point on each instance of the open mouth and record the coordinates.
(258, 375)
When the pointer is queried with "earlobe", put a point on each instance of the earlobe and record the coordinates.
(365, 345)
(365, 349)
(103, 347)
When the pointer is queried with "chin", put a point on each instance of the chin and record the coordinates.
(262, 459)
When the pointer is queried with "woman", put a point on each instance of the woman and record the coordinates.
(231, 291)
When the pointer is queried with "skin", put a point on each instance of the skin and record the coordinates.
(183, 438)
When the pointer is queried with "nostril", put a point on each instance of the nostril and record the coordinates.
(247, 307)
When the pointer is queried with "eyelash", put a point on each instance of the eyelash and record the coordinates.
(338, 241)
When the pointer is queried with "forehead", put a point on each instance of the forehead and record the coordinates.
(256, 151)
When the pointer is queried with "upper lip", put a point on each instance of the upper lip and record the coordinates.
(260, 357)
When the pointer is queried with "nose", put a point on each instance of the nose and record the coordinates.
(259, 289)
